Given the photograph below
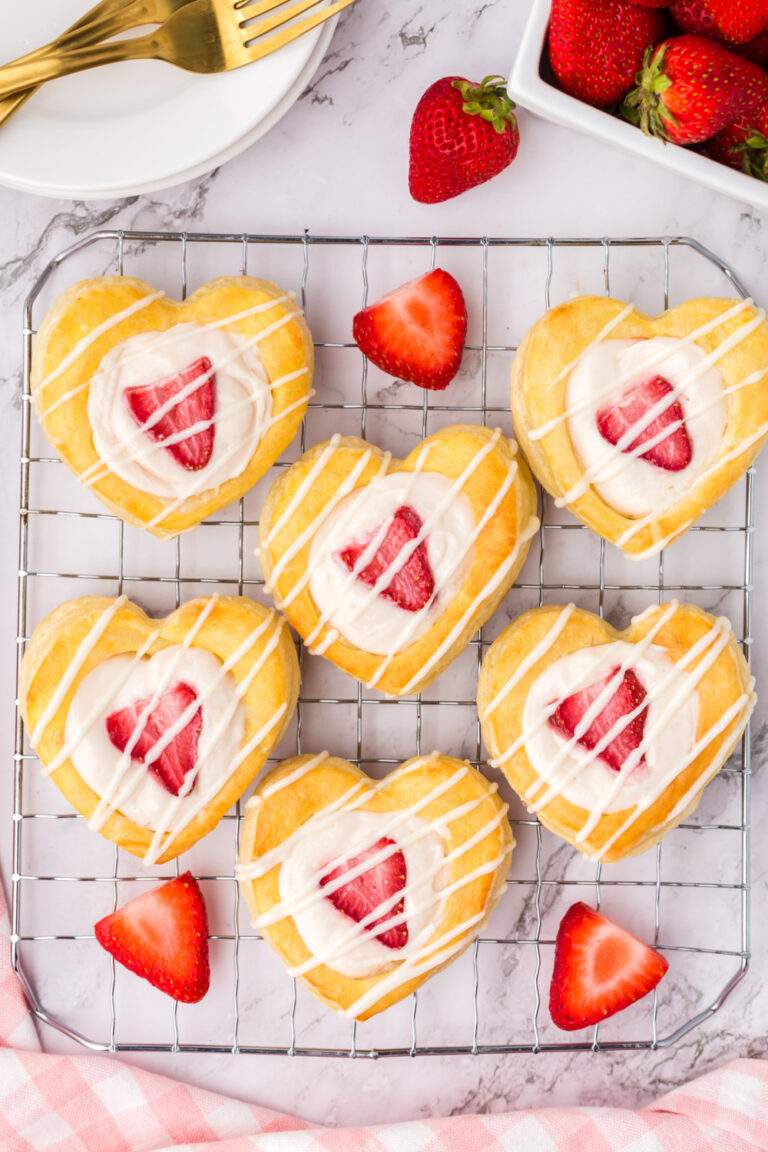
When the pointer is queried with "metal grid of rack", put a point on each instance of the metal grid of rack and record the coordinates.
(493, 1001)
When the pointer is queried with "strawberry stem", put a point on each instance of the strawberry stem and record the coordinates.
(489, 101)
(643, 106)
(754, 152)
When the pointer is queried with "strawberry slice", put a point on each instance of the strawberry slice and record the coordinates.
(180, 755)
(366, 892)
(674, 452)
(600, 969)
(411, 587)
(195, 450)
(417, 332)
(628, 696)
(162, 936)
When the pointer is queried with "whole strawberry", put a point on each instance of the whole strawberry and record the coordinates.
(736, 21)
(596, 46)
(462, 134)
(690, 88)
(744, 145)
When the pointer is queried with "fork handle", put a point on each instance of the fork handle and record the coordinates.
(16, 77)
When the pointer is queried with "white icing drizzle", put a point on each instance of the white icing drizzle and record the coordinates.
(289, 779)
(137, 446)
(412, 625)
(746, 700)
(304, 537)
(170, 828)
(595, 708)
(407, 550)
(169, 337)
(531, 659)
(83, 651)
(104, 808)
(603, 334)
(638, 525)
(708, 647)
(656, 358)
(485, 592)
(95, 334)
(366, 556)
(303, 489)
(412, 966)
(620, 454)
(311, 895)
(199, 485)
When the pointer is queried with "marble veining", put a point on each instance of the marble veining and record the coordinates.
(338, 163)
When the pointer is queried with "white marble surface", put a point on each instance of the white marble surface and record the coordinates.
(338, 163)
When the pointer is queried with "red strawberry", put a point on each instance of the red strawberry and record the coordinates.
(162, 936)
(600, 969)
(652, 3)
(737, 21)
(690, 88)
(366, 892)
(756, 50)
(674, 452)
(177, 758)
(193, 452)
(462, 134)
(596, 46)
(417, 332)
(413, 585)
(628, 696)
(744, 145)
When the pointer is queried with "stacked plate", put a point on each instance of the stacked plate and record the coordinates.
(139, 126)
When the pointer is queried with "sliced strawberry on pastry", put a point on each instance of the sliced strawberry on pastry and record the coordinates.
(672, 452)
(600, 969)
(413, 584)
(628, 696)
(363, 894)
(194, 451)
(417, 332)
(162, 936)
(179, 756)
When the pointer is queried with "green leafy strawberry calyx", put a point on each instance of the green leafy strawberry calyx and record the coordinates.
(643, 106)
(489, 101)
(754, 152)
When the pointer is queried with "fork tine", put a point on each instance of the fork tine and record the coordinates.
(250, 9)
(258, 46)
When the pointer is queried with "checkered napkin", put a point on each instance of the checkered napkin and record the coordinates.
(98, 1104)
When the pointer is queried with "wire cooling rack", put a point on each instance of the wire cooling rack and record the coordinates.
(691, 896)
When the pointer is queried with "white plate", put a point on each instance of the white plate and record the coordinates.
(530, 89)
(137, 127)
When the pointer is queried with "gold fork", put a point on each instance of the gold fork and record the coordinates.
(204, 36)
(105, 20)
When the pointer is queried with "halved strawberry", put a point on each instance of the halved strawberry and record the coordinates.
(192, 452)
(672, 453)
(600, 969)
(413, 585)
(366, 892)
(180, 755)
(628, 696)
(162, 936)
(417, 332)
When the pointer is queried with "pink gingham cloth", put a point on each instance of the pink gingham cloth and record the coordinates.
(98, 1104)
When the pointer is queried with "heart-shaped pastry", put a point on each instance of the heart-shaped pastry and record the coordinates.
(638, 424)
(169, 411)
(152, 729)
(610, 737)
(388, 567)
(366, 888)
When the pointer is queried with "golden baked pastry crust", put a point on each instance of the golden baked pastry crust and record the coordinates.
(270, 820)
(720, 687)
(232, 619)
(505, 537)
(83, 307)
(553, 345)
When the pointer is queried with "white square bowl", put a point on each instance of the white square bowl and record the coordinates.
(530, 89)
